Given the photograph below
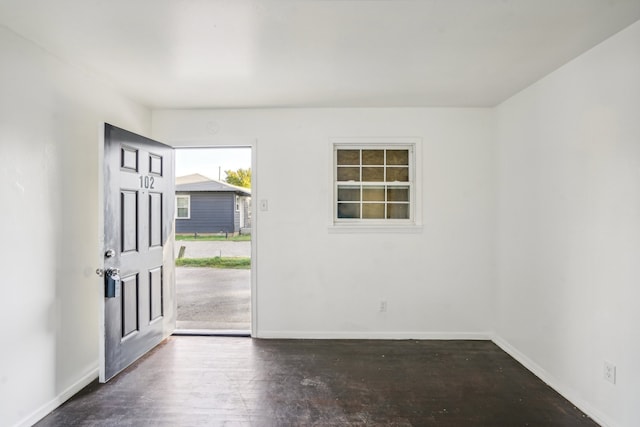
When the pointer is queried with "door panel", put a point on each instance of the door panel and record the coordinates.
(155, 220)
(129, 220)
(138, 227)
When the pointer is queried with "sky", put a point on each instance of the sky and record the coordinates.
(211, 161)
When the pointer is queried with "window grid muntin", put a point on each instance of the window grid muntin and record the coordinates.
(360, 206)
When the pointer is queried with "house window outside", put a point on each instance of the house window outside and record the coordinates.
(183, 206)
(237, 203)
(373, 184)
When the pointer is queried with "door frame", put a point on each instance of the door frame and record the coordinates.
(254, 224)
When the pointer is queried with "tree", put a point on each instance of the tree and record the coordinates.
(240, 177)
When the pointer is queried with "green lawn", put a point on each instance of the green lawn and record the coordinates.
(212, 237)
(216, 262)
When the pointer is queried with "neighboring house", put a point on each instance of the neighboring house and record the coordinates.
(209, 206)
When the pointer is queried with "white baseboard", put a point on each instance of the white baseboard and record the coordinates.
(390, 335)
(553, 382)
(45, 409)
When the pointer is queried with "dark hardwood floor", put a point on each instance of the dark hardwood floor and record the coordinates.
(210, 381)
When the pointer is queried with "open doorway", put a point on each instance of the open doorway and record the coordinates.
(213, 240)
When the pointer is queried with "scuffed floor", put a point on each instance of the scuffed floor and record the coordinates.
(211, 381)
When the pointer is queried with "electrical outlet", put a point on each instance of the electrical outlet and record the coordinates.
(383, 306)
(610, 372)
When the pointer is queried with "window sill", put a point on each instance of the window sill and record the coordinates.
(374, 228)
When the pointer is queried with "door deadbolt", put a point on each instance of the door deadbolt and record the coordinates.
(112, 283)
(109, 272)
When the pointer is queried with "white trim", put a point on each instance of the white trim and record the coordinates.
(188, 196)
(364, 140)
(412, 225)
(99, 282)
(553, 382)
(254, 238)
(67, 394)
(253, 146)
(378, 228)
(378, 335)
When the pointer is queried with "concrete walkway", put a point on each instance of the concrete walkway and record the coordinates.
(213, 298)
(212, 249)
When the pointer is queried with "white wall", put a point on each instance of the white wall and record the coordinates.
(569, 228)
(50, 116)
(438, 281)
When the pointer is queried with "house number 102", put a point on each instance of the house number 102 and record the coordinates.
(146, 182)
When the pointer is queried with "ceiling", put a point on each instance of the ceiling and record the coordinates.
(318, 53)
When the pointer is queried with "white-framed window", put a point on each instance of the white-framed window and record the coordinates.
(237, 203)
(374, 183)
(183, 206)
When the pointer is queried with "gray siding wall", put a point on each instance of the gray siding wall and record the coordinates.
(210, 213)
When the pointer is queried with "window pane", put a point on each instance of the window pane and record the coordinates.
(373, 210)
(349, 194)
(348, 174)
(373, 194)
(348, 210)
(398, 157)
(398, 174)
(348, 157)
(373, 182)
(373, 157)
(398, 211)
(182, 202)
(373, 174)
(398, 194)
(183, 212)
